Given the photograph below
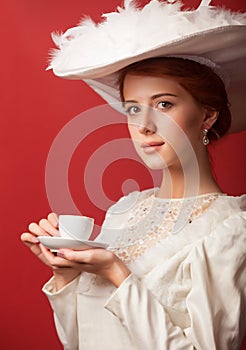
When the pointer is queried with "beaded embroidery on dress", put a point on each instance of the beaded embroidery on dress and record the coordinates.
(153, 219)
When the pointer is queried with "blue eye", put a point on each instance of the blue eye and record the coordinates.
(133, 110)
(164, 105)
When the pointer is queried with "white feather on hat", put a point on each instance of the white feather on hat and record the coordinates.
(213, 36)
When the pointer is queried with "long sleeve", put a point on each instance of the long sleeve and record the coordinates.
(145, 318)
(64, 304)
(215, 303)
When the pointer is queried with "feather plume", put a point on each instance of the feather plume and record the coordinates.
(130, 31)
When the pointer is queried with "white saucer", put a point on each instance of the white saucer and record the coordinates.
(55, 243)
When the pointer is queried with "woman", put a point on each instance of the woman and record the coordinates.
(162, 284)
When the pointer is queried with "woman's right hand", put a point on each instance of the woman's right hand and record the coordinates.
(45, 227)
(63, 271)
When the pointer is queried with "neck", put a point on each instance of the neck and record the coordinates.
(189, 181)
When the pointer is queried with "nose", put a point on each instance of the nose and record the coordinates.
(146, 123)
(145, 130)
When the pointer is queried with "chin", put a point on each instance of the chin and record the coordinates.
(156, 165)
(154, 161)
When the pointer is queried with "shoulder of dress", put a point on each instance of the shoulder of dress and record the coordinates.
(226, 206)
(242, 202)
(229, 232)
(235, 201)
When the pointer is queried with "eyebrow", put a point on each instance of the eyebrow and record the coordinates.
(152, 97)
(160, 95)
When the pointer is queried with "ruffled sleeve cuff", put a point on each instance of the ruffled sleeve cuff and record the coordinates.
(50, 291)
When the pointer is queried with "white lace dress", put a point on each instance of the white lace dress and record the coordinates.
(187, 287)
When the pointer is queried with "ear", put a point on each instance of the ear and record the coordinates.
(210, 118)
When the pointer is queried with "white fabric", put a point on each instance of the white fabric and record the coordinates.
(204, 3)
(187, 292)
(159, 218)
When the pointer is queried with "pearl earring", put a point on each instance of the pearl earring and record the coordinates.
(205, 139)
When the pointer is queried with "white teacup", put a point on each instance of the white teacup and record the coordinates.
(75, 226)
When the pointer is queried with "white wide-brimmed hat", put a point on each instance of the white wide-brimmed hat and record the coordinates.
(212, 36)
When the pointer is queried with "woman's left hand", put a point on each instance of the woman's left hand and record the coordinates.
(98, 261)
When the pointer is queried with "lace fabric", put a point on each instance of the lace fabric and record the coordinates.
(153, 219)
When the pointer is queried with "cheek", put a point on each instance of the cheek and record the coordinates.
(190, 120)
(133, 131)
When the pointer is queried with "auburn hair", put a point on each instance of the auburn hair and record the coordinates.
(204, 85)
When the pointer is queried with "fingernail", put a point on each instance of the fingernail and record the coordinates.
(60, 253)
(56, 233)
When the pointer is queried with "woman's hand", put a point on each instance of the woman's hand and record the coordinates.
(49, 227)
(69, 263)
(45, 227)
(98, 261)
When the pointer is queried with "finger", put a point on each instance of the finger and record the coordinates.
(37, 230)
(78, 256)
(53, 260)
(32, 242)
(29, 238)
(48, 227)
(53, 219)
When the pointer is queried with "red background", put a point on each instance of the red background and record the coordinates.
(35, 106)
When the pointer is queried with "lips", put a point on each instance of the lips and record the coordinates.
(152, 147)
(152, 144)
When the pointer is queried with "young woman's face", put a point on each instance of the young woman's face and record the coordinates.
(162, 118)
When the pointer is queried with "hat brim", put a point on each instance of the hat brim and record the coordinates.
(225, 46)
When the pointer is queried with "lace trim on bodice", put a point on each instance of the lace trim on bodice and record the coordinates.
(153, 219)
